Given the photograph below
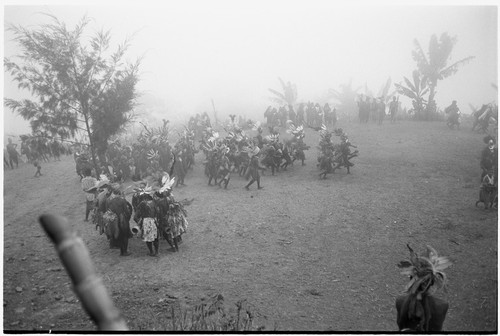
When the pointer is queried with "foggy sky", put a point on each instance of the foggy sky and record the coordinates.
(233, 51)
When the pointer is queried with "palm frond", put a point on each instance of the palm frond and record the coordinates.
(278, 94)
(405, 91)
(419, 54)
(452, 69)
(410, 85)
(385, 88)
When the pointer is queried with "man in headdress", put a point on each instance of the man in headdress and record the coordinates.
(117, 227)
(179, 169)
(254, 169)
(224, 168)
(345, 153)
(418, 310)
(381, 110)
(146, 217)
(453, 114)
(102, 193)
(13, 154)
(88, 185)
(489, 157)
(393, 109)
(300, 114)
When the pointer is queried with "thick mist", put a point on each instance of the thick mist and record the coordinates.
(230, 52)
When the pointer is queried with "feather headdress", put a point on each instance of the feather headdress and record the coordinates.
(338, 131)
(224, 149)
(324, 133)
(103, 180)
(251, 150)
(256, 126)
(147, 189)
(209, 146)
(425, 272)
(296, 131)
(214, 138)
(153, 155)
(240, 136)
(273, 137)
(166, 183)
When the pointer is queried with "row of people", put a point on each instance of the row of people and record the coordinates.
(375, 109)
(309, 113)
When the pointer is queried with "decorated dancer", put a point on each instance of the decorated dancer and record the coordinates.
(254, 169)
(89, 186)
(418, 309)
(145, 216)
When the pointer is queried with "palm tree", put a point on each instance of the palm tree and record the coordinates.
(288, 96)
(434, 66)
(415, 91)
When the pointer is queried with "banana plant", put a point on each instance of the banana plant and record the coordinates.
(288, 96)
(384, 91)
(434, 65)
(415, 90)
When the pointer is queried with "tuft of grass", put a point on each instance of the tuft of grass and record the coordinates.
(212, 315)
(209, 315)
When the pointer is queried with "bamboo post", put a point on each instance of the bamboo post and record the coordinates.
(87, 285)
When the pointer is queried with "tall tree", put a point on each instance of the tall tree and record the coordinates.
(288, 96)
(76, 84)
(434, 66)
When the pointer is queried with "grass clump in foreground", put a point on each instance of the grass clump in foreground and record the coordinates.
(209, 315)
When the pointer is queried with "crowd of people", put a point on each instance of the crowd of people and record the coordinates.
(155, 167)
(248, 156)
(374, 109)
(150, 155)
(36, 149)
(155, 211)
(309, 114)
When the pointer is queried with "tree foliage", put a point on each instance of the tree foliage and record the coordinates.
(288, 96)
(345, 97)
(384, 91)
(415, 89)
(433, 65)
(77, 83)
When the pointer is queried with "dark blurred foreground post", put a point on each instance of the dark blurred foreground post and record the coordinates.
(87, 285)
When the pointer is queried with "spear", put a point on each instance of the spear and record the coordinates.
(87, 285)
(215, 112)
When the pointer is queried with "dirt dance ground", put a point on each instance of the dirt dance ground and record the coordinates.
(306, 254)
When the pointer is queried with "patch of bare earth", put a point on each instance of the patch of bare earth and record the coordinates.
(306, 254)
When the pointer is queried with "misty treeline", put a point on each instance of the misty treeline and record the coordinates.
(431, 67)
(80, 86)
